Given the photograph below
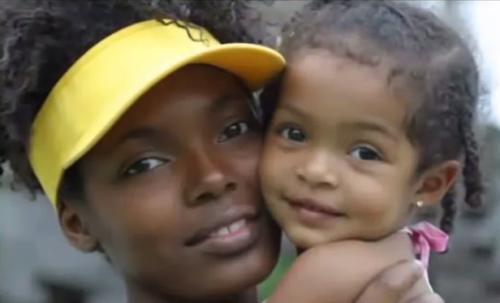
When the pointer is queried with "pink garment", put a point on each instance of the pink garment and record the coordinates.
(426, 238)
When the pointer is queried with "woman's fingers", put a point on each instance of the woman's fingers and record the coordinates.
(431, 298)
(393, 283)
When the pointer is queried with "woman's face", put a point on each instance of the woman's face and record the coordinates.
(171, 192)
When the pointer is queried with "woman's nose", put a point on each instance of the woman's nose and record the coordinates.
(210, 179)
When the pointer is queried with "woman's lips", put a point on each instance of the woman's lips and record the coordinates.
(231, 239)
(229, 230)
(232, 232)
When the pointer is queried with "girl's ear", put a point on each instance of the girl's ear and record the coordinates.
(436, 182)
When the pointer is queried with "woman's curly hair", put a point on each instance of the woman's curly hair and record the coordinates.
(41, 39)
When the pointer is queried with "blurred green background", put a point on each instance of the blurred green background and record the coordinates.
(268, 286)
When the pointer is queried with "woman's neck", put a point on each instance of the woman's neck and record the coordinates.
(138, 295)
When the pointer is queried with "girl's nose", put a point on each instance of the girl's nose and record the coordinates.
(317, 171)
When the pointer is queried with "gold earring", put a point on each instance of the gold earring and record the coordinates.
(420, 203)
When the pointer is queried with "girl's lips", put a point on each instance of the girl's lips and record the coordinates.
(314, 206)
(314, 213)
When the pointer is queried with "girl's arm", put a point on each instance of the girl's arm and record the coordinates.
(337, 272)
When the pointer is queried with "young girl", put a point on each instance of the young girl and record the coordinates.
(374, 115)
(141, 133)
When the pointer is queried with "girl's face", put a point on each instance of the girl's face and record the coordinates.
(171, 192)
(337, 162)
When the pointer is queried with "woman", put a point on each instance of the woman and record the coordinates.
(143, 135)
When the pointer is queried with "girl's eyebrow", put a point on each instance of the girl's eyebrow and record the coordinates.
(373, 126)
(294, 110)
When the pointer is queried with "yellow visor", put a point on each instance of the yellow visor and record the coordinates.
(99, 88)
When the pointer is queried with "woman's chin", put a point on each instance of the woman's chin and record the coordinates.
(256, 265)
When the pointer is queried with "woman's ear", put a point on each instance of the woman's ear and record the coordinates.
(436, 182)
(74, 224)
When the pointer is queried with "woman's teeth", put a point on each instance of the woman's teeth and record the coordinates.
(228, 229)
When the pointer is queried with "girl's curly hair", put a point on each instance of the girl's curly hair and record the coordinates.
(432, 58)
(41, 39)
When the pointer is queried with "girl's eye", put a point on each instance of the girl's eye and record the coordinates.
(293, 134)
(143, 165)
(365, 153)
(234, 130)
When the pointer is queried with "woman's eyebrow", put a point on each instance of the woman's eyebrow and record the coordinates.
(223, 102)
(142, 133)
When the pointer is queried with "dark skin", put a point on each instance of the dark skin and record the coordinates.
(180, 163)
(177, 165)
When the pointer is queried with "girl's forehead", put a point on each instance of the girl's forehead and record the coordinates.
(337, 90)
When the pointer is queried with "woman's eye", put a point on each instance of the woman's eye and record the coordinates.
(234, 130)
(143, 165)
(365, 153)
(293, 134)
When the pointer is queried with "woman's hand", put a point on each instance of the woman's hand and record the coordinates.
(394, 283)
